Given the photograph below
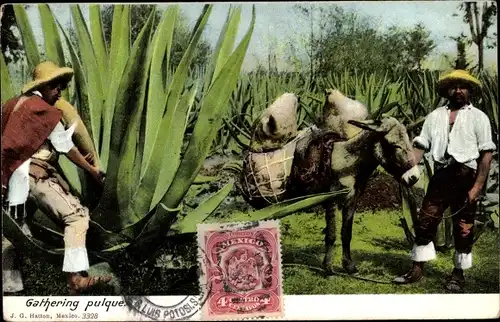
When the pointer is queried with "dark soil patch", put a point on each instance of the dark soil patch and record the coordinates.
(382, 192)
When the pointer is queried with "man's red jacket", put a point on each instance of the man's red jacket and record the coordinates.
(24, 131)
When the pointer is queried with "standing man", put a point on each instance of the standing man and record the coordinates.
(32, 137)
(459, 138)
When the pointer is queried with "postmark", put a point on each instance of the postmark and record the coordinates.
(164, 308)
(175, 310)
(241, 266)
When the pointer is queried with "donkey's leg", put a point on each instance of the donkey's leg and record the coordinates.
(347, 221)
(329, 236)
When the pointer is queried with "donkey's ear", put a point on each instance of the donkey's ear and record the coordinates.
(272, 127)
(371, 125)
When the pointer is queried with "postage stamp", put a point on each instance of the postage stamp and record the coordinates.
(241, 264)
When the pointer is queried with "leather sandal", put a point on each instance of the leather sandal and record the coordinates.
(414, 275)
(456, 281)
(79, 283)
(455, 286)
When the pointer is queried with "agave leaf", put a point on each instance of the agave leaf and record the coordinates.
(292, 206)
(116, 32)
(119, 55)
(29, 246)
(108, 210)
(34, 247)
(385, 109)
(101, 52)
(51, 237)
(141, 202)
(115, 248)
(77, 178)
(7, 92)
(53, 45)
(146, 238)
(41, 219)
(162, 44)
(80, 90)
(203, 211)
(29, 43)
(131, 161)
(200, 140)
(174, 91)
(204, 179)
(175, 140)
(226, 40)
(100, 238)
(209, 120)
(90, 67)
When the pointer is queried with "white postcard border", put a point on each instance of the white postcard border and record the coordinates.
(297, 307)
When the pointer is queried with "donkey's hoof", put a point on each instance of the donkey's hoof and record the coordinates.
(350, 267)
(327, 269)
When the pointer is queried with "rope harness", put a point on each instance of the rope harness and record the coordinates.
(332, 273)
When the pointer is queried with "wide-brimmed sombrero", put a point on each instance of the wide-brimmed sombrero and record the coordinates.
(455, 76)
(46, 72)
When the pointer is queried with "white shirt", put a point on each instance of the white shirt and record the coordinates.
(19, 184)
(470, 134)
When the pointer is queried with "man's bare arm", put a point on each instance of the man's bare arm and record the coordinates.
(483, 169)
(77, 158)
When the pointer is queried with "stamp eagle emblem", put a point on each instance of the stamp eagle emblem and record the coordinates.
(242, 264)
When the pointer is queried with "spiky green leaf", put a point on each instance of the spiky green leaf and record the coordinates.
(92, 74)
(101, 52)
(203, 211)
(162, 44)
(131, 85)
(7, 92)
(27, 36)
(119, 54)
(141, 202)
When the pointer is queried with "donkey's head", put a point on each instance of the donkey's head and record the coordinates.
(393, 149)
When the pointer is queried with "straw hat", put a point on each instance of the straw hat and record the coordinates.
(456, 76)
(46, 72)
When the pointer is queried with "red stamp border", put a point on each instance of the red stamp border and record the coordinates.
(225, 251)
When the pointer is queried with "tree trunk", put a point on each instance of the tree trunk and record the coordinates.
(480, 52)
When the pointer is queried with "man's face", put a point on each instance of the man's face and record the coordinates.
(51, 92)
(458, 93)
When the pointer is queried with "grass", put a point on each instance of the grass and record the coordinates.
(380, 252)
(378, 248)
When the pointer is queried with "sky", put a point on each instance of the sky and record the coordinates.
(278, 23)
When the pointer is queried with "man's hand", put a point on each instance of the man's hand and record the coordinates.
(97, 175)
(465, 228)
(89, 157)
(77, 158)
(483, 168)
(474, 194)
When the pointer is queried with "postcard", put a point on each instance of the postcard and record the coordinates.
(242, 161)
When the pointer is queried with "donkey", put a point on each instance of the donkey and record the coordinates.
(330, 163)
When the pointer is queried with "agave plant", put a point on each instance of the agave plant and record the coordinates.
(137, 111)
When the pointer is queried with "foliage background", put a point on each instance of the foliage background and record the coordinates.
(384, 70)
